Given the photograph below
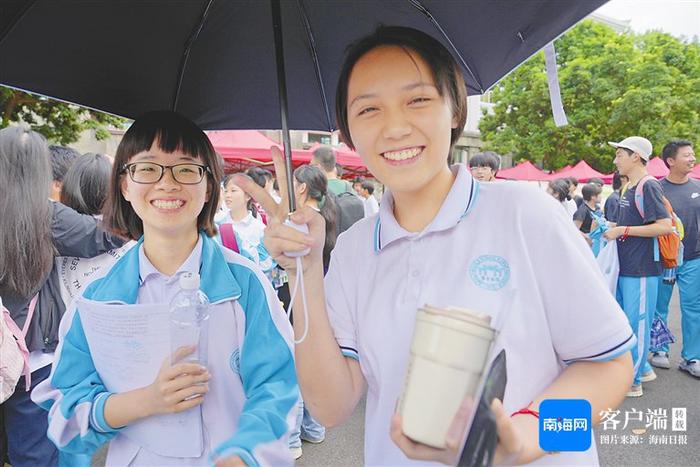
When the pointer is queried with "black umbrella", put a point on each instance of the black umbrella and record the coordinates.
(220, 62)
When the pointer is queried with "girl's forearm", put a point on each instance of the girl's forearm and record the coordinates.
(330, 388)
(603, 384)
(126, 408)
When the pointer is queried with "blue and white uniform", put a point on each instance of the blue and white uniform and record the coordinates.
(685, 199)
(485, 253)
(640, 268)
(252, 401)
(249, 233)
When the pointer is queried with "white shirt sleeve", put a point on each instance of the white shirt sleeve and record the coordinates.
(585, 320)
(340, 301)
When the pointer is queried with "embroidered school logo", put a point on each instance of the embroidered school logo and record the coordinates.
(490, 272)
(235, 361)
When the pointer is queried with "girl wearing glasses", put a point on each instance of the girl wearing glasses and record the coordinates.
(164, 193)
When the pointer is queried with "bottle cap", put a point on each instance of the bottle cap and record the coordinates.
(189, 281)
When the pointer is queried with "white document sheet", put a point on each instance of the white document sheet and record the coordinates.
(128, 344)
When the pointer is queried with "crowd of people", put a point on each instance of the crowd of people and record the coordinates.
(128, 228)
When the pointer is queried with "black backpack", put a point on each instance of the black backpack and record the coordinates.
(350, 210)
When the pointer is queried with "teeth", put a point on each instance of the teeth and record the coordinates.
(402, 155)
(162, 204)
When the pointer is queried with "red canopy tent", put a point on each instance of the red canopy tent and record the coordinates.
(655, 167)
(696, 172)
(523, 171)
(241, 149)
(348, 159)
(581, 171)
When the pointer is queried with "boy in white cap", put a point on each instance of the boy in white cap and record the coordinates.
(640, 265)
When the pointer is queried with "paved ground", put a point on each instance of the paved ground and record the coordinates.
(344, 445)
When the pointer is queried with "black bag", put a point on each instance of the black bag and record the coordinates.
(350, 210)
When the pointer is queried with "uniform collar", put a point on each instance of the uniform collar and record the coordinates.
(122, 283)
(457, 205)
(191, 264)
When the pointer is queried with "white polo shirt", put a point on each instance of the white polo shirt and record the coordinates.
(492, 247)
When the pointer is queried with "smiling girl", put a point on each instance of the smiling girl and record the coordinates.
(164, 193)
(442, 238)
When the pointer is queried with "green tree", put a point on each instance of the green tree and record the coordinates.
(58, 122)
(612, 85)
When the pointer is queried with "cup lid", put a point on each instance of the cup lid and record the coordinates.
(461, 314)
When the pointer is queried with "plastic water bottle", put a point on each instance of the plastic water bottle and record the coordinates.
(189, 318)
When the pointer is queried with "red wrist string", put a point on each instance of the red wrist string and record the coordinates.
(526, 411)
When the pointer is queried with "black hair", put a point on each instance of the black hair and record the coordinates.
(560, 189)
(486, 159)
(446, 72)
(596, 181)
(369, 186)
(325, 156)
(259, 175)
(62, 158)
(86, 184)
(171, 132)
(317, 189)
(616, 181)
(572, 181)
(26, 251)
(670, 150)
(590, 190)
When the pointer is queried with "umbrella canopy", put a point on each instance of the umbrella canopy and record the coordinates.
(581, 171)
(696, 172)
(523, 171)
(214, 61)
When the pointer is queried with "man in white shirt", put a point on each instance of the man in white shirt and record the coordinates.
(366, 192)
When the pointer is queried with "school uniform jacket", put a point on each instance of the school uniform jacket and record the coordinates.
(251, 404)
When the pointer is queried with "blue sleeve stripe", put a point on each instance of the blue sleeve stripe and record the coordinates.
(349, 352)
(609, 354)
(97, 414)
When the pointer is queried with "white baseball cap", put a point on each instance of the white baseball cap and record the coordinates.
(641, 146)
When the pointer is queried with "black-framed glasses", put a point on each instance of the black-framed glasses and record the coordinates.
(150, 172)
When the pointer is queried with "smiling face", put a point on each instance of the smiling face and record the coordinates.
(398, 121)
(166, 207)
(684, 161)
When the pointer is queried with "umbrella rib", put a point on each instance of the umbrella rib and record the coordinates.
(317, 66)
(419, 6)
(186, 53)
(18, 18)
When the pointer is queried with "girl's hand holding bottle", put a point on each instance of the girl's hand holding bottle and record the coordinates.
(177, 387)
(281, 238)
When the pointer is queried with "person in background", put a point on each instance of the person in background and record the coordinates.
(311, 189)
(640, 270)
(583, 217)
(62, 158)
(485, 165)
(683, 193)
(559, 189)
(573, 186)
(612, 203)
(357, 183)
(350, 207)
(35, 229)
(367, 193)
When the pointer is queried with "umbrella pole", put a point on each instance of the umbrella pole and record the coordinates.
(282, 90)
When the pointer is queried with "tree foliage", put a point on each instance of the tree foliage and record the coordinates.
(612, 86)
(59, 122)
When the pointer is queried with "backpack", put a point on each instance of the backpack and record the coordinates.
(350, 210)
(667, 245)
(15, 355)
(228, 237)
